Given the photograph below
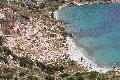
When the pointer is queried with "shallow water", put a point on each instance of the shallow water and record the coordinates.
(97, 29)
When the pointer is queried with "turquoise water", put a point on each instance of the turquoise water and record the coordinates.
(96, 28)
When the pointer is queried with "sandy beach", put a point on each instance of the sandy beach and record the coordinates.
(76, 55)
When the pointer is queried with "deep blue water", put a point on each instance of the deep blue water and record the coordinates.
(96, 28)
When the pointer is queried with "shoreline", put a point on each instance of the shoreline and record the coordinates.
(86, 3)
(76, 55)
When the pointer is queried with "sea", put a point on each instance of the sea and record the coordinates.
(96, 29)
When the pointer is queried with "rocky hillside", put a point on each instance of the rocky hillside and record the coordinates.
(33, 45)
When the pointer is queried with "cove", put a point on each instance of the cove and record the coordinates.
(96, 28)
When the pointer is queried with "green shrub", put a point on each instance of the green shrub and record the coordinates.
(23, 73)
(60, 30)
(93, 75)
(59, 68)
(52, 35)
(31, 77)
(16, 78)
(100, 78)
(1, 40)
(15, 57)
(71, 62)
(50, 69)
(26, 62)
(8, 73)
(1, 50)
(71, 78)
(48, 77)
(53, 5)
(76, 76)
(4, 59)
(42, 5)
(3, 1)
(25, 17)
(7, 51)
(41, 65)
(64, 75)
